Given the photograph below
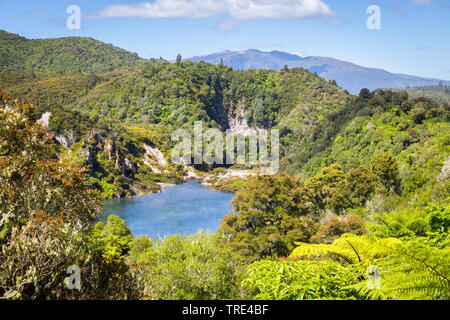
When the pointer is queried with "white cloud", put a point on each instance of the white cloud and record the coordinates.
(287, 9)
(237, 9)
(164, 9)
(421, 2)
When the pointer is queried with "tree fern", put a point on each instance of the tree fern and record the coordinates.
(409, 269)
(349, 249)
(415, 270)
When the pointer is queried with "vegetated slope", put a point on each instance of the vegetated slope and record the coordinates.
(348, 75)
(284, 213)
(161, 97)
(319, 123)
(415, 131)
(119, 125)
(62, 55)
(171, 94)
(440, 93)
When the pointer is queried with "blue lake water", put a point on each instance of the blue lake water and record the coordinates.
(179, 209)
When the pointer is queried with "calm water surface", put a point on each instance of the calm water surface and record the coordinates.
(179, 209)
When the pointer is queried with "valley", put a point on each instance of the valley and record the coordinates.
(87, 178)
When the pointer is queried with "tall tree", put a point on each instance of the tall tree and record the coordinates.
(178, 62)
(328, 190)
(267, 216)
(387, 173)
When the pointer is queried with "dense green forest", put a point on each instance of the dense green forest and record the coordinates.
(319, 123)
(288, 238)
(159, 97)
(61, 55)
(360, 209)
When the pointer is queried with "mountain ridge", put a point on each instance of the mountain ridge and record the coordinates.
(348, 75)
(86, 55)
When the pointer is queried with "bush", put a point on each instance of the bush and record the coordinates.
(190, 267)
(334, 227)
(300, 280)
(268, 216)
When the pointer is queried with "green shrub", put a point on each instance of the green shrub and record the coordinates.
(300, 280)
(190, 267)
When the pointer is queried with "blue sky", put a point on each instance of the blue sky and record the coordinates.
(413, 39)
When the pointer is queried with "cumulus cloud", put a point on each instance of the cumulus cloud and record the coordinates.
(237, 9)
(164, 9)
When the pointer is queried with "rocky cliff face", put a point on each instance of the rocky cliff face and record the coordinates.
(234, 119)
(128, 163)
(66, 140)
(237, 121)
(44, 119)
(125, 164)
(122, 165)
(155, 159)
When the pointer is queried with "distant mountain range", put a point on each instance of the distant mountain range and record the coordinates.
(347, 75)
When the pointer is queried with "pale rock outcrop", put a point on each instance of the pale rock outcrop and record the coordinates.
(44, 119)
(155, 159)
(237, 121)
(66, 140)
(228, 175)
(445, 171)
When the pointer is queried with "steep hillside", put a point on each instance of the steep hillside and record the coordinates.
(415, 131)
(119, 123)
(62, 55)
(89, 113)
(177, 95)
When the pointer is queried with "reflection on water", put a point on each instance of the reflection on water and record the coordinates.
(179, 209)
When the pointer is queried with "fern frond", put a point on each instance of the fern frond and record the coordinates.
(417, 271)
(350, 248)
(409, 269)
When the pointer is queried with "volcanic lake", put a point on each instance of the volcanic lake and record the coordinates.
(179, 209)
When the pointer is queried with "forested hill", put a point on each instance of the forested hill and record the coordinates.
(160, 97)
(119, 122)
(62, 55)
(179, 94)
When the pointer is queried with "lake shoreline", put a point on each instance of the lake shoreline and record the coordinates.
(207, 179)
(185, 209)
